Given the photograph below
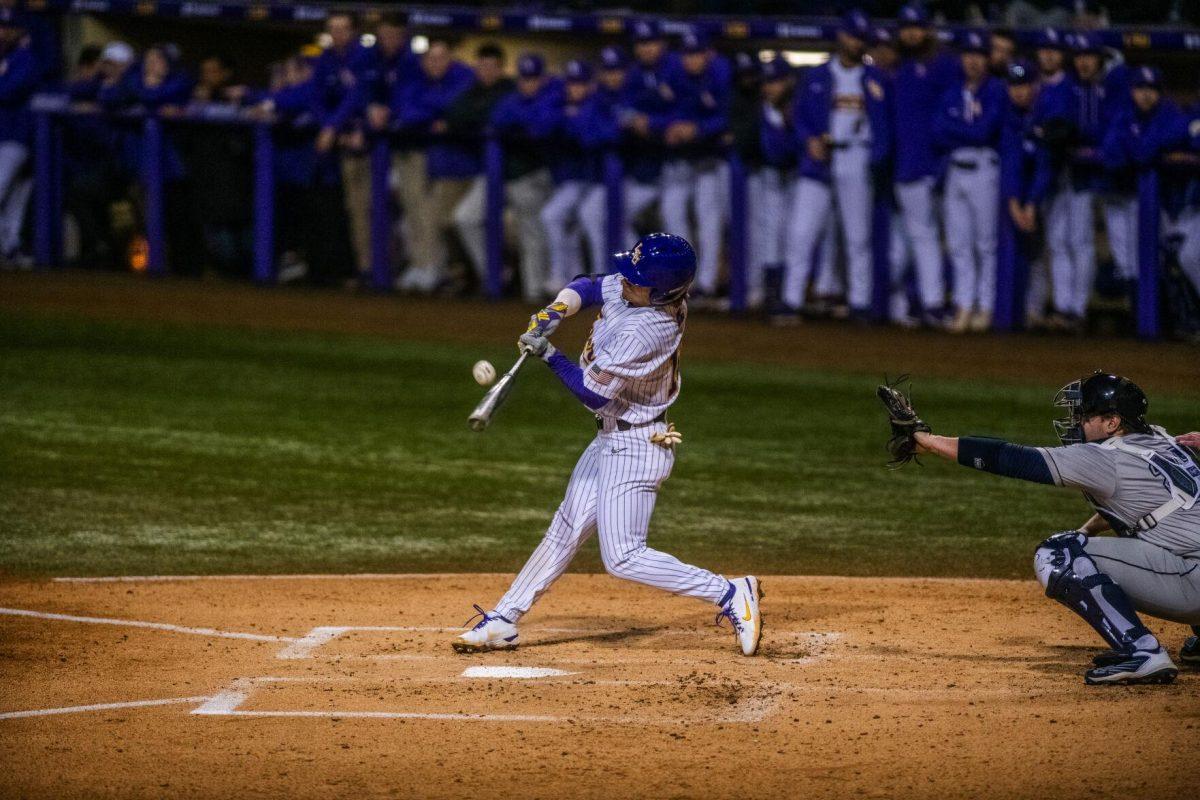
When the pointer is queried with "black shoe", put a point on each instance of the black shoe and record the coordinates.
(861, 317)
(784, 316)
(1141, 666)
(1190, 652)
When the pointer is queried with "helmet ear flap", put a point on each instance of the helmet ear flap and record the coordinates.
(672, 296)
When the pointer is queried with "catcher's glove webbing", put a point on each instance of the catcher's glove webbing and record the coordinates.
(905, 423)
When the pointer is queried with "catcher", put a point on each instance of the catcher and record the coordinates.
(1143, 485)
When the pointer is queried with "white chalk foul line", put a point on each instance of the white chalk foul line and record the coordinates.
(137, 623)
(45, 712)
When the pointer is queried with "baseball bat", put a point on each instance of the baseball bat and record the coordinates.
(481, 417)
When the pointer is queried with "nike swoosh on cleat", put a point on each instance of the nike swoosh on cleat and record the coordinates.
(748, 615)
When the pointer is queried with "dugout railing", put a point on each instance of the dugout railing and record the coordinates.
(51, 110)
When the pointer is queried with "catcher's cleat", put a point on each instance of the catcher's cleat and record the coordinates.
(1190, 652)
(492, 632)
(1140, 666)
(740, 607)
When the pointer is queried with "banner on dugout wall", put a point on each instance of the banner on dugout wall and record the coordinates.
(493, 20)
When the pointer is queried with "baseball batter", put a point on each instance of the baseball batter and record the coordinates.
(628, 376)
(1142, 483)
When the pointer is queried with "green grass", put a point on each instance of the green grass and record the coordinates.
(152, 449)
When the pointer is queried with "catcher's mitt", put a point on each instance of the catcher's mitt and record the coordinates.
(905, 423)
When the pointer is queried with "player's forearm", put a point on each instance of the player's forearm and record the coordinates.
(944, 446)
(572, 377)
(989, 455)
(1003, 458)
(1097, 524)
(580, 293)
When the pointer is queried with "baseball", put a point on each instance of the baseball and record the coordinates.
(484, 373)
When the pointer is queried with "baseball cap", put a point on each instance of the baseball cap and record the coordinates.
(855, 23)
(776, 69)
(692, 42)
(118, 53)
(531, 65)
(1087, 42)
(578, 71)
(974, 42)
(612, 57)
(12, 18)
(646, 30)
(913, 14)
(745, 64)
(1050, 39)
(1147, 76)
(1020, 73)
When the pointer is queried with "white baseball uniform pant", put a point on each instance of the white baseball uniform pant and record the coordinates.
(1187, 227)
(1037, 290)
(1121, 225)
(829, 280)
(524, 198)
(15, 192)
(564, 239)
(612, 493)
(972, 214)
(702, 186)
(812, 203)
(1071, 242)
(899, 260)
(766, 214)
(916, 205)
(593, 211)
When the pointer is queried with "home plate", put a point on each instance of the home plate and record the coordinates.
(512, 672)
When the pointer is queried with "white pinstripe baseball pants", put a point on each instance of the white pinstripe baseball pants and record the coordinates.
(612, 492)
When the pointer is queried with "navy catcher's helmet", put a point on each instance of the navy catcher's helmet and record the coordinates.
(664, 262)
(1101, 393)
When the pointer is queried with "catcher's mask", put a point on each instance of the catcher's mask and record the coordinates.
(1100, 393)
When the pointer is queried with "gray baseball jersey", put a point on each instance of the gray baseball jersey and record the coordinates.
(1143, 484)
(632, 356)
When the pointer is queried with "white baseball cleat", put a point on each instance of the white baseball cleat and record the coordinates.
(492, 632)
(741, 609)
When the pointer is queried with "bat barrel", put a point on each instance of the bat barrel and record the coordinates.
(481, 417)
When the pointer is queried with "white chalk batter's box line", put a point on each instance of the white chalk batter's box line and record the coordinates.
(751, 710)
(306, 646)
(229, 701)
(303, 647)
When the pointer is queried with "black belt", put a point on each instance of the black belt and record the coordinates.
(846, 145)
(969, 166)
(622, 425)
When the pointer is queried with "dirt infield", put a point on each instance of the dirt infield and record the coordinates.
(335, 686)
(1159, 366)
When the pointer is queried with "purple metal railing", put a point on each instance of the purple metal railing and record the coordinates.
(48, 211)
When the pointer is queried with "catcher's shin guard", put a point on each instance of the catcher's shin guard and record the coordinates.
(1072, 578)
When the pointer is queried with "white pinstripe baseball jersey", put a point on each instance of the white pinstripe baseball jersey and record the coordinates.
(632, 355)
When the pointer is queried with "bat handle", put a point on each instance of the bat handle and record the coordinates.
(520, 362)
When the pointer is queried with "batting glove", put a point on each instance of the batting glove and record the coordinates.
(536, 345)
(546, 321)
(668, 438)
